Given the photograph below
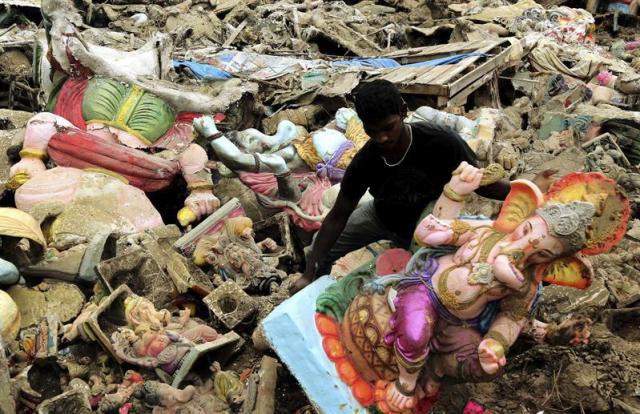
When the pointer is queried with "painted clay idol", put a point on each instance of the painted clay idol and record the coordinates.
(278, 167)
(101, 116)
(467, 294)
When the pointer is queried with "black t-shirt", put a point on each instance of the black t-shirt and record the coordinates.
(402, 192)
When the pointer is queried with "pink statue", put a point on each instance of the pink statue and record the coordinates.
(152, 349)
(105, 117)
(455, 312)
(141, 315)
(216, 395)
(104, 148)
(153, 339)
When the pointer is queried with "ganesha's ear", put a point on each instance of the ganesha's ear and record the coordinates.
(574, 271)
(521, 202)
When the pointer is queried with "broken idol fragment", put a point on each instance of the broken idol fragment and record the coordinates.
(98, 122)
(286, 159)
(234, 255)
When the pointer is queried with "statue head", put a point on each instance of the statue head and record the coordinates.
(582, 214)
(140, 311)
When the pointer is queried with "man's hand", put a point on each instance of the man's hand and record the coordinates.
(205, 126)
(302, 282)
(544, 179)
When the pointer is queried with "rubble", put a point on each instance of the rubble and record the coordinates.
(132, 237)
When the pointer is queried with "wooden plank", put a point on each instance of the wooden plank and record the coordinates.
(464, 64)
(406, 75)
(461, 98)
(430, 77)
(488, 66)
(420, 89)
(409, 80)
(430, 51)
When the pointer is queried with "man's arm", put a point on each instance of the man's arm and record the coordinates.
(329, 232)
(500, 189)
(496, 191)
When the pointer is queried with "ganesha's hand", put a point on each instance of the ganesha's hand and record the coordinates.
(570, 332)
(466, 178)
(26, 169)
(205, 125)
(202, 203)
(268, 245)
(491, 354)
(433, 232)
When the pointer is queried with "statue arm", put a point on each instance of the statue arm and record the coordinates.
(505, 329)
(433, 231)
(464, 180)
(231, 155)
(141, 361)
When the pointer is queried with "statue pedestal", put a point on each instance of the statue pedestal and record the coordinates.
(291, 331)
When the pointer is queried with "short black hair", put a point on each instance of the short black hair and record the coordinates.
(378, 99)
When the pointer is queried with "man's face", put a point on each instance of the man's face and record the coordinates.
(385, 133)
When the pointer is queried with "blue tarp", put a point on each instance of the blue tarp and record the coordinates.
(449, 60)
(209, 72)
(202, 70)
(386, 63)
(373, 63)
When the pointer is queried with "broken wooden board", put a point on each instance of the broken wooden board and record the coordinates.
(451, 84)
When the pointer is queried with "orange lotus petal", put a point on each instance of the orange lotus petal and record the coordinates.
(346, 371)
(363, 392)
(326, 325)
(333, 348)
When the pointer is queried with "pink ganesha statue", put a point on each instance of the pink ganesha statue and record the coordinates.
(153, 339)
(107, 143)
(468, 293)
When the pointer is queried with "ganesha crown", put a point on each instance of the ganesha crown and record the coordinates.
(569, 222)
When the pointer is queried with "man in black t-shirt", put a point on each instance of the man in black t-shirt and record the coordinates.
(404, 167)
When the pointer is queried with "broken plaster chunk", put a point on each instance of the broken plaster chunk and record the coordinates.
(59, 299)
(561, 300)
(216, 350)
(7, 403)
(106, 319)
(75, 401)
(230, 304)
(142, 273)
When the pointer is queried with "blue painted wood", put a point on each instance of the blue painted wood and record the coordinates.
(292, 333)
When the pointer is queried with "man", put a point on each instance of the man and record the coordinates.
(404, 167)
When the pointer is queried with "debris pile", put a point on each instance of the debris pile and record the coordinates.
(164, 166)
